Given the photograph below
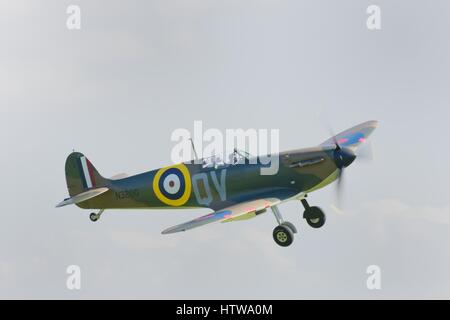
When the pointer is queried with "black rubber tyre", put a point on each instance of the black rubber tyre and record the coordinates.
(290, 226)
(93, 216)
(314, 217)
(283, 235)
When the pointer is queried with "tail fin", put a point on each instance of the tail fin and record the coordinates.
(81, 175)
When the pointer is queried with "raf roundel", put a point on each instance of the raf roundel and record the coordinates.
(172, 185)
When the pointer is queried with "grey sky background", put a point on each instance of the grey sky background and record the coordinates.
(137, 70)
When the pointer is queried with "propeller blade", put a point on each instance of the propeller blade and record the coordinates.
(336, 209)
(333, 135)
(365, 152)
(340, 187)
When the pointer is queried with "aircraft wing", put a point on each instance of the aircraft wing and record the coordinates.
(83, 196)
(241, 211)
(354, 136)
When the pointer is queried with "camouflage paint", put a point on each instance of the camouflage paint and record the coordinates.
(189, 185)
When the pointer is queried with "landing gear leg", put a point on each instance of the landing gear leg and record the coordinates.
(314, 216)
(95, 216)
(283, 234)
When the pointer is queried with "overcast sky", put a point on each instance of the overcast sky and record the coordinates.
(116, 89)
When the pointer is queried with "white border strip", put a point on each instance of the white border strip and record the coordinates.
(86, 172)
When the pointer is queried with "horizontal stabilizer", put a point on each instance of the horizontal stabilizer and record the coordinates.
(83, 196)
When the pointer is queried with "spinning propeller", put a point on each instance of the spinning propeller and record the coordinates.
(343, 157)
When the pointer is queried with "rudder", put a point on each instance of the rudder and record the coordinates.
(81, 175)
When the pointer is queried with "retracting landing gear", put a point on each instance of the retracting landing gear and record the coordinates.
(314, 215)
(283, 234)
(95, 216)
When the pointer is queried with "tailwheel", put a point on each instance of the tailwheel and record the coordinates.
(283, 235)
(95, 216)
(314, 217)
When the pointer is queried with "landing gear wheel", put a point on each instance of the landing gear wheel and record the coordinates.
(314, 217)
(94, 217)
(290, 226)
(283, 235)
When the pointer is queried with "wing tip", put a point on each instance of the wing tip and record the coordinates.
(373, 123)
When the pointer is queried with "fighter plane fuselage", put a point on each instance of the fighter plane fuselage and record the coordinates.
(299, 171)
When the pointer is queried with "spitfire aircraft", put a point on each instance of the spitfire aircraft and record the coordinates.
(235, 190)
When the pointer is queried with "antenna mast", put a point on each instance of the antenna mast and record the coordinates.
(193, 148)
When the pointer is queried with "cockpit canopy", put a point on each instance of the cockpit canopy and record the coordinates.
(234, 158)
